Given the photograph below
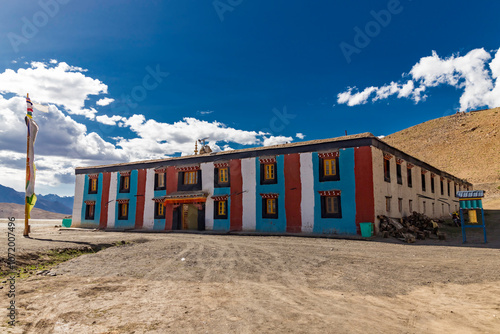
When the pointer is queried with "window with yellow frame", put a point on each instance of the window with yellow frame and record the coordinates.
(125, 184)
(159, 210)
(220, 209)
(268, 173)
(123, 211)
(191, 177)
(223, 175)
(329, 169)
(93, 186)
(269, 208)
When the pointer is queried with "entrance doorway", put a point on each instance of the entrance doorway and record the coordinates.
(189, 217)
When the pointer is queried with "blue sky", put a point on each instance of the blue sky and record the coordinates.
(243, 73)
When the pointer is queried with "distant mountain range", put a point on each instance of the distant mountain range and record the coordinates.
(51, 202)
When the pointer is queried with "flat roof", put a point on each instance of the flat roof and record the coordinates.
(357, 140)
(221, 154)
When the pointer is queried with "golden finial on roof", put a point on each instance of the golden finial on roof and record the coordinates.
(195, 148)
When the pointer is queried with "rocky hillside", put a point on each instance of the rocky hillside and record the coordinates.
(465, 144)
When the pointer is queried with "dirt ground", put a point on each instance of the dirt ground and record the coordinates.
(197, 283)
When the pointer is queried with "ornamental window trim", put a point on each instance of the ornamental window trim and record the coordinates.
(325, 155)
(329, 192)
(269, 195)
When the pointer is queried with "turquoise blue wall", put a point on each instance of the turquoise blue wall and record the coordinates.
(130, 222)
(267, 224)
(159, 224)
(346, 184)
(92, 197)
(222, 224)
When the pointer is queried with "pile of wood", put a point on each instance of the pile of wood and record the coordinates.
(408, 229)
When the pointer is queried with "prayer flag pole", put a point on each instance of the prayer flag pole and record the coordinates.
(26, 207)
(30, 164)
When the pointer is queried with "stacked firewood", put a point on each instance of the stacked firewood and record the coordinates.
(408, 229)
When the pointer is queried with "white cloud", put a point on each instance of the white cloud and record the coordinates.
(356, 98)
(469, 73)
(63, 143)
(189, 130)
(59, 134)
(104, 119)
(105, 101)
(495, 66)
(493, 96)
(300, 135)
(276, 140)
(406, 89)
(59, 84)
(154, 138)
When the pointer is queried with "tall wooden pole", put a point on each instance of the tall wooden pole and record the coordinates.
(26, 209)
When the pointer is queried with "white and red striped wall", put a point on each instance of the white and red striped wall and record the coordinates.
(298, 193)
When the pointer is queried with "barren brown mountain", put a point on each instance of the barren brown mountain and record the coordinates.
(465, 144)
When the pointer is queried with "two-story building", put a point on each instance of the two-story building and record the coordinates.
(322, 187)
